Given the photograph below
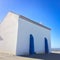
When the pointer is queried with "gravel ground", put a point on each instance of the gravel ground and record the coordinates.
(4, 56)
(55, 55)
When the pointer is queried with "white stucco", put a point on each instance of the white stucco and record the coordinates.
(26, 28)
(9, 28)
(16, 31)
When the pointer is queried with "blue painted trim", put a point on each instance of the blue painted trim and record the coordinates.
(46, 46)
(31, 49)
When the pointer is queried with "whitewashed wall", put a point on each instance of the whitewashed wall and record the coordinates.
(15, 33)
(26, 28)
(9, 28)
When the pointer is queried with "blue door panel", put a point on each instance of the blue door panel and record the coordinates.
(46, 46)
(31, 47)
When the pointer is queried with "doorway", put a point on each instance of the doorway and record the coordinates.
(31, 46)
(46, 45)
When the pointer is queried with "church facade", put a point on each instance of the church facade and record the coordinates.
(21, 36)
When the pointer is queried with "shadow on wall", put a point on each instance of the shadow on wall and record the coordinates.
(51, 56)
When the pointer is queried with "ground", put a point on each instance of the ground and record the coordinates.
(55, 55)
(4, 56)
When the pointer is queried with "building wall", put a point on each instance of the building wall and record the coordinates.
(26, 28)
(9, 28)
(15, 33)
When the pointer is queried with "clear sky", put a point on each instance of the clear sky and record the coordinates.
(45, 11)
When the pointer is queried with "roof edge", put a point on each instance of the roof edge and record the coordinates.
(27, 19)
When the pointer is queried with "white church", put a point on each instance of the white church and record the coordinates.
(22, 36)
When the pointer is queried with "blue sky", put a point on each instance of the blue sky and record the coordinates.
(45, 11)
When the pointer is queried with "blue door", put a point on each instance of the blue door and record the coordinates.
(46, 46)
(31, 47)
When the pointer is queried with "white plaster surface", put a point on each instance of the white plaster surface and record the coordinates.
(16, 31)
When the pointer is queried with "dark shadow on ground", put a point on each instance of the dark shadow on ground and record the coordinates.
(51, 56)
